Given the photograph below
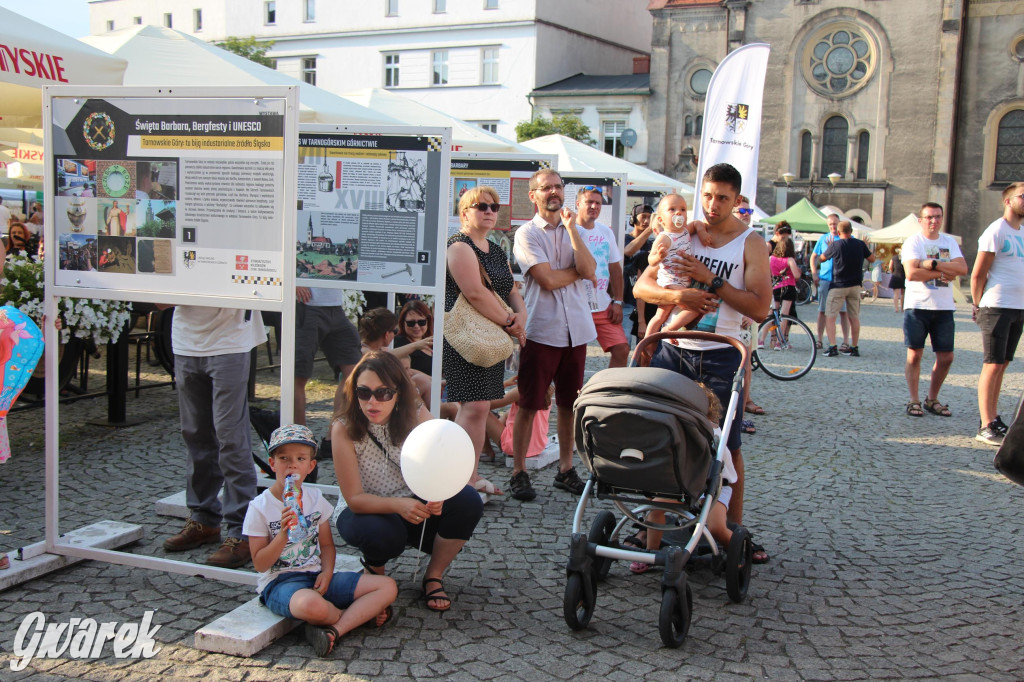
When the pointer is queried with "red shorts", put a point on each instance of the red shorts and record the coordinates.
(609, 334)
(540, 364)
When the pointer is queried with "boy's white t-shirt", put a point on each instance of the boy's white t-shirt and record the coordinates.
(933, 294)
(1005, 285)
(263, 520)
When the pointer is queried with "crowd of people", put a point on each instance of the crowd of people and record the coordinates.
(718, 275)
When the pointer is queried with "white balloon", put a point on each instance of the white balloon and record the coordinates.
(437, 460)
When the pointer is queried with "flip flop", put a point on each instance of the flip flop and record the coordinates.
(322, 638)
(760, 556)
(753, 408)
(748, 427)
(484, 486)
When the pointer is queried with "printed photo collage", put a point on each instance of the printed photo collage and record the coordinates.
(117, 216)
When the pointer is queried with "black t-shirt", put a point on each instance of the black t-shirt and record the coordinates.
(847, 261)
(418, 360)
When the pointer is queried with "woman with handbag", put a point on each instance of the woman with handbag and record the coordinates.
(483, 310)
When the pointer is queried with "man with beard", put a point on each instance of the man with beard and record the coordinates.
(731, 280)
(997, 289)
(555, 262)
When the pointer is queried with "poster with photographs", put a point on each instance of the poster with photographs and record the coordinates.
(170, 194)
(508, 175)
(369, 209)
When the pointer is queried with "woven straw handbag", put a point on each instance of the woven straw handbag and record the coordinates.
(478, 340)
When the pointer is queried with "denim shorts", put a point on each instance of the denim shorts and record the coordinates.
(278, 594)
(1000, 332)
(920, 324)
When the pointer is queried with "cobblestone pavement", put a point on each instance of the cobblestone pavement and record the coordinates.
(895, 552)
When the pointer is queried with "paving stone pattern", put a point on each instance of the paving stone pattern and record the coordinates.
(896, 551)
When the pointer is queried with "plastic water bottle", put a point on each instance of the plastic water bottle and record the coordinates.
(291, 500)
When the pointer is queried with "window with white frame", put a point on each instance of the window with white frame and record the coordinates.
(309, 10)
(439, 67)
(270, 12)
(168, 21)
(309, 70)
(490, 4)
(613, 138)
(110, 25)
(440, 6)
(197, 20)
(489, 65)
(489, 126)
(137, 21)
(391, 8)
(391, 71)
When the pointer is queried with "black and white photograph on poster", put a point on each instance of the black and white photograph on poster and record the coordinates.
(328, 245)
(206, 167)
(155, 218)
(75, 214)
(117, 254)
(368, 208)
(77, 252)
(407, 181)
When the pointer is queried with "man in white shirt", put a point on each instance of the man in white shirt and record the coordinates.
(606, 310)
(932, 259)
(997, 289)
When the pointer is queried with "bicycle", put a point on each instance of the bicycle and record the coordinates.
(803, 290)
(786, 348)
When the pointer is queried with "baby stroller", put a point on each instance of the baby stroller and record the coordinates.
(643, 433)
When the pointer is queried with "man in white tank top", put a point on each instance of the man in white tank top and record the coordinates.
(735, 281)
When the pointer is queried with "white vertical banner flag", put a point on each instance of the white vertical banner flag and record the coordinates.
(732, 118)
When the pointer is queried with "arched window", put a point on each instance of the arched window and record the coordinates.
(698, 127)
(806, 149)
(1010, 147)
(833, 146)
(688, 126)
(863, 143)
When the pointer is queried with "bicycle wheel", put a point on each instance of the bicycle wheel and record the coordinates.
(788, 353)
(803, 291)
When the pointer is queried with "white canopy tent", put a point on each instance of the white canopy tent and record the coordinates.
(41, 56)
(898, 232)
(575, 156)
(860, 230)
(162, 56)
(466, 137)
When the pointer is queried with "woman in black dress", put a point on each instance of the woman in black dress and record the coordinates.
(471, 386)
(898, 282)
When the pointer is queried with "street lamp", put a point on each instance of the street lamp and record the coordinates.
(814, 184)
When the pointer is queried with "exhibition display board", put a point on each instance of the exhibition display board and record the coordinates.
(613, 190)
(169, 196)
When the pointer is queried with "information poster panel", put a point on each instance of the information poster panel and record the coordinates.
(613, 191)
(509, 175)
(371, 207)
(157, 196)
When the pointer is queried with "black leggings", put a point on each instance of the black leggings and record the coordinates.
(381, 537)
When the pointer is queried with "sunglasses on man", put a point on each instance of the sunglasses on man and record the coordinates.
(744, 211)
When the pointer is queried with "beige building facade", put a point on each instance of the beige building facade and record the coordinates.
(899, 101)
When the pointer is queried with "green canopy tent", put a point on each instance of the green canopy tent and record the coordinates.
(803, 216)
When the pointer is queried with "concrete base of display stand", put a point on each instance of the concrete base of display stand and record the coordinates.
(252, 626)
(548, 456)
(32, 561)
(174, 505)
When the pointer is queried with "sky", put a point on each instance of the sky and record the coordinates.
(70, 17)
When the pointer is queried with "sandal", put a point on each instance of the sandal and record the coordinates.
(639, 567)
(486, 487)
(935, 407)
(914, 409)
(634, 542)
(434, 595)
(753, 408)
(748, 427)
(322, 638)
(760, 556)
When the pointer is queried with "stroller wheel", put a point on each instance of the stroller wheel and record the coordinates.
(674, 620)
(739, 556)
(578, 605)
(600, 532)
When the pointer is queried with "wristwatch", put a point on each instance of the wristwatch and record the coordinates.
(616, 302)
(509, 322)
(716, 283)
(934, 265)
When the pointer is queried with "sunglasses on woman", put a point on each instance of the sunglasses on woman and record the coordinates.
(482, 207)
(382, 394)
(416, 323)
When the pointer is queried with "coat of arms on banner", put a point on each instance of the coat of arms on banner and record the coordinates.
(736, 116)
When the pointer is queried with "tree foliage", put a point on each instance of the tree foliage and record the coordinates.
(250, 48)
(568, 125)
